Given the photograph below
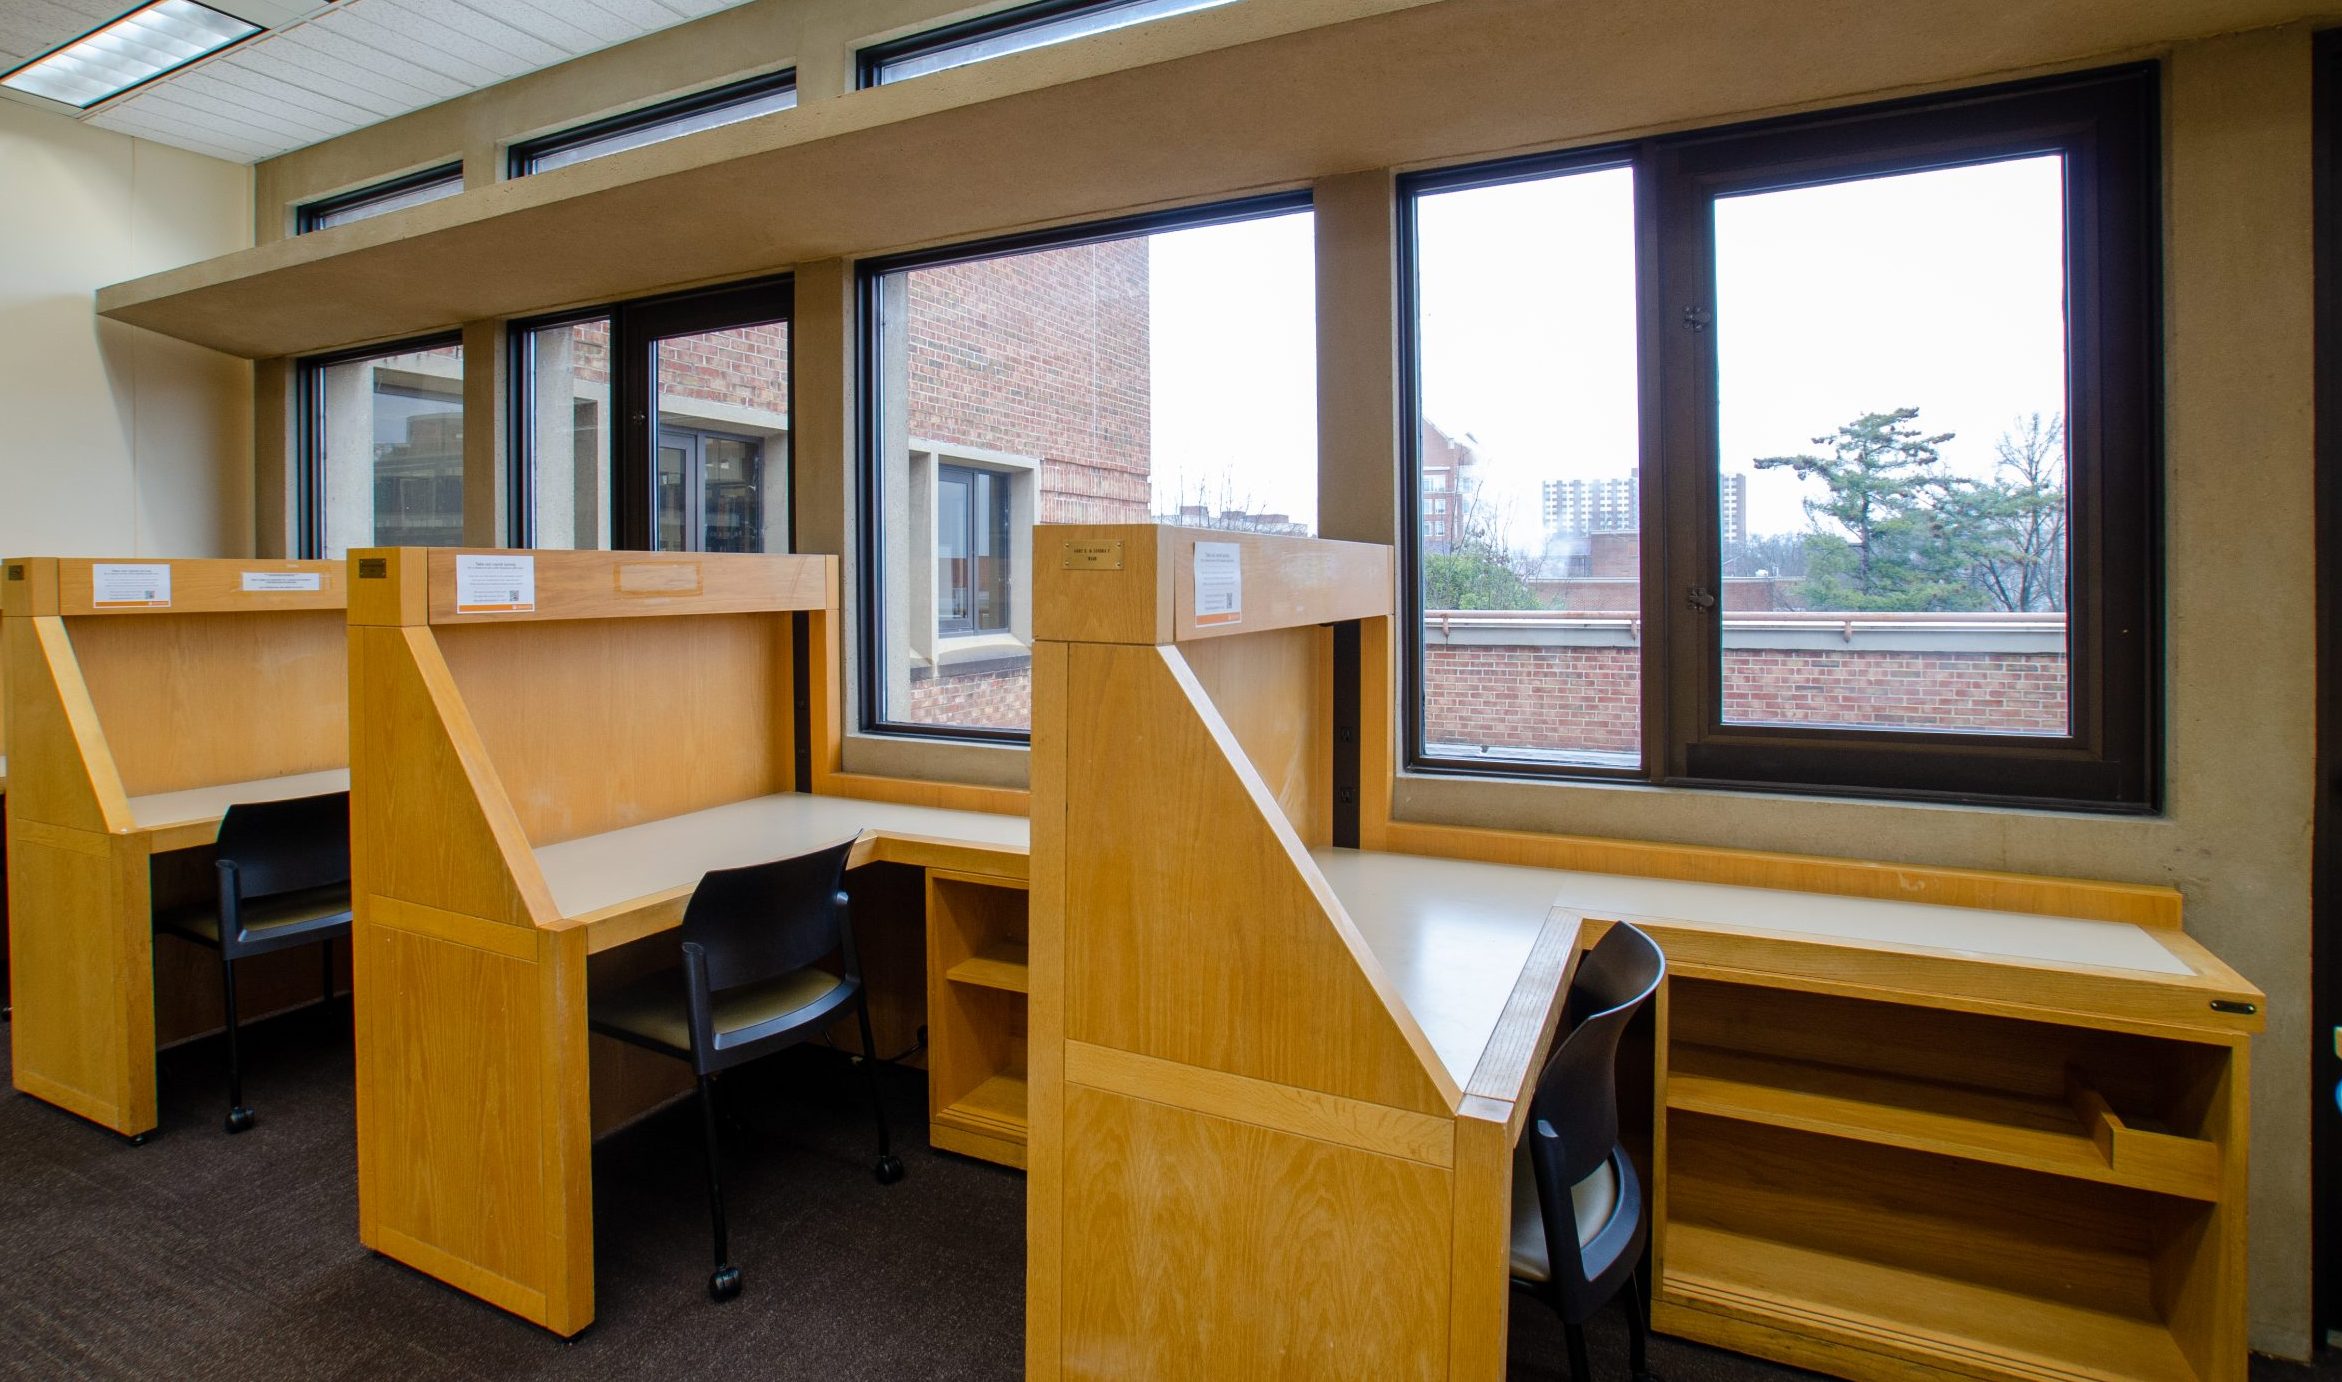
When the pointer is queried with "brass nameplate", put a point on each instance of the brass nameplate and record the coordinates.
(373, 568)
(658, 578)
(1094, 556)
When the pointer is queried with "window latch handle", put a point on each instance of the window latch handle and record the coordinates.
(1696, 318)
(1700, 598)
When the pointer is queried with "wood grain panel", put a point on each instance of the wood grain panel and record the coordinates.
(1197, 929)
(1191, 1226)
(630, 585)
(1288, 582)
(1267, 688)
(598, 724)
(82, 1034)
(207, 585)
(456, 1154)
(1045, 1017)
(195, 700)
(60, 771)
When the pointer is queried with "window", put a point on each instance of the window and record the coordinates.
(1159, 368)
(382, 448)
(705, 470)
(666, 120)
(1813, 455)
(430, 185)
(1009, 31)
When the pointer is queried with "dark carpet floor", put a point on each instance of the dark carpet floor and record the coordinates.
(205, 1256)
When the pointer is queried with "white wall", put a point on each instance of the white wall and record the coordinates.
(114, 441)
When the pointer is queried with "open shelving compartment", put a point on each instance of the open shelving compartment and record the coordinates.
(979, 978)
(1881, 1188)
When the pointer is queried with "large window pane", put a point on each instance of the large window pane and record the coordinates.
(569, 417)
(1892, 395)
(1168, 375)
(723, 439)
(1527, 465)
(388, 464)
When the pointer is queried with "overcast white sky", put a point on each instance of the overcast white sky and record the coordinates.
(1942, 290)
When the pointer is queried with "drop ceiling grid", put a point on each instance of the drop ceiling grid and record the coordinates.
(354, 65)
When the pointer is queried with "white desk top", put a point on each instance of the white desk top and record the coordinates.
(597, 871)
(1453, 934)
(211, 803)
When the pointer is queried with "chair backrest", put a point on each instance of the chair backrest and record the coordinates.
(756, 922)
(272, 847)
(1573, 1117)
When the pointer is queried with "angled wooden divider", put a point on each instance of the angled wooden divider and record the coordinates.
(138, 716)
(1250, 1156)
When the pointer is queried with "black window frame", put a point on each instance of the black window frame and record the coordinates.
(520, 156)
(2106, 125)
(309, 429)
(994, 484)
(636, 327)
(871, 61)
(869, 276)
(308, 216)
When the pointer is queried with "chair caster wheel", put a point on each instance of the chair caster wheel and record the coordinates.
(239, 1119)
(889, 1169)
(724, 1283)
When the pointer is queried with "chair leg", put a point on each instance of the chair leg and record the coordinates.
(239, 1117)
(1638, 1330)
(724, 1283)
(890, 1166)
(1580, 1368)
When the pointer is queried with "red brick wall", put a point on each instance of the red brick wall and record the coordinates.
(1043, 355)
(1586, 698)
(996, 698)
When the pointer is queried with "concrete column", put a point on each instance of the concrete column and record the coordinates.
(1357, 358)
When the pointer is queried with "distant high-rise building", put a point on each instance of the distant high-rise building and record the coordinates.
(1576, 507)
(1732, 508)
(1612, 505)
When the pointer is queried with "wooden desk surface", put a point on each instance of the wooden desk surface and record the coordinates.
(1454, 934)
(597, 872)
(203, 805)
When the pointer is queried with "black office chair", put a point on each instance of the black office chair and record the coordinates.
(284, 880)
(748, 988)
(1573, 1183)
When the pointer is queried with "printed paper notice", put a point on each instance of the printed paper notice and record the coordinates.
(127, 585)
(495, 585)
(283, 580)
(1219, 584)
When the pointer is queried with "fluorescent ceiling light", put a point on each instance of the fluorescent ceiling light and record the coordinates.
(137, 48)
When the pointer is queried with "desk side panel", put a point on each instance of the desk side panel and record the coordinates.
(195, 700)
(80, 967)
(1196, 928)
(1362, 1238)
(60, 770)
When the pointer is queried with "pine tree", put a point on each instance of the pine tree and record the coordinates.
(1906, 530)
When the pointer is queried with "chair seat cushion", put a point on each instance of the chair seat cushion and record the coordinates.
(261, 916)
(1592, 1202)
(653, 1008)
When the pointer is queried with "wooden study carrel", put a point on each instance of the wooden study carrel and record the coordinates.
(549, 750)
(1902, 1122)
(145, 698)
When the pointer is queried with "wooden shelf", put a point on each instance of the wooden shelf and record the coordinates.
(1001, 965)
(995, 1108)
(1937, 1321)
(2001, 1127)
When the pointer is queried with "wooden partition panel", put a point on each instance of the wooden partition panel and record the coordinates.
(1197, 929)
(194, 700)
(598, 724)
